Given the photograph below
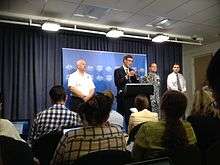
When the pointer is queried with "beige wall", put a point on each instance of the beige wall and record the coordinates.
(189, 53)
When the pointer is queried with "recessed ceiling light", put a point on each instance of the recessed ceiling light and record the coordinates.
(78, 15)
(92, 17)
(50, 26)
(163, 21)
(149, 25)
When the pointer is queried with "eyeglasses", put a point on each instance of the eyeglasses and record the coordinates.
(129, 60)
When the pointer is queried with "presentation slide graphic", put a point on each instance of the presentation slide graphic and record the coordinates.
(100, 65)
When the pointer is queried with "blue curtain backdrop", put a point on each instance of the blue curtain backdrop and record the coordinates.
(31, 63)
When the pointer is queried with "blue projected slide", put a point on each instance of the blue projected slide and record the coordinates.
(101, 65)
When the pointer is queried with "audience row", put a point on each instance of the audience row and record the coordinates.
(96, 127)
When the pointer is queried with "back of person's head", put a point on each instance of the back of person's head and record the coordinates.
(141, 102)
(96, 110)
(57, 94)
(213, 77)
(109, 94)
(173, 105)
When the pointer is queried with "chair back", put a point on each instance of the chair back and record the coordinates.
(187, 155)
(44, 147)
(15, 152)
(107, 157)
(212, 154)
(158, 161)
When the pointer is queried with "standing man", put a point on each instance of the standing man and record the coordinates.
(123, 75)
(175, 80)
(81, 85)
(154, 79)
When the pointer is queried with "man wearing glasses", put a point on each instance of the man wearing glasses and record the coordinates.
(123, 75)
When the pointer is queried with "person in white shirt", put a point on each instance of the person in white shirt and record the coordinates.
(175, 80)
(81, 85)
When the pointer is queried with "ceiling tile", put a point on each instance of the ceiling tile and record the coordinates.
(138, 21)
(73, 1)
(4, 5)
(161, 7)
(190, 8)
(215, 22)
(213, 11)
(26, 7)
(125, 5)
(115, 18)
(59, 9)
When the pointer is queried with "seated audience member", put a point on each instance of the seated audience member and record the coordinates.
(167, 134)
(95, 135)
(202, 98)
(56, 117)
(114, 117)
(205, 117)
(141, 104)
(7, 128)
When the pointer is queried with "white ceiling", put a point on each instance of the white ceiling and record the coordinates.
(187, 17)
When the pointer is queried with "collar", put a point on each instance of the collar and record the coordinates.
(125, 67)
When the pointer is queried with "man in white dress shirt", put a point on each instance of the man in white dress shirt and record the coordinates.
(81, 85)
(175, 80)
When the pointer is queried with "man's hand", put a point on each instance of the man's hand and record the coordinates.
(86, 98)
(131, 73)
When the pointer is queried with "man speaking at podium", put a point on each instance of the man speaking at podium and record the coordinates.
(123, 75)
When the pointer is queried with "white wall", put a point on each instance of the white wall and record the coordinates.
(189, 53)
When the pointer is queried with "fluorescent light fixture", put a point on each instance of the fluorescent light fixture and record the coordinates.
(149, 25)
(78, 15)
(114, 33)
(160, 38)
(50, 26)
(92, 17)
(163, 21)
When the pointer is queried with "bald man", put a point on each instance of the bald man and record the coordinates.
(81, 85)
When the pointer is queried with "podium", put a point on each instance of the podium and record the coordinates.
(131, 91)
(134, 89)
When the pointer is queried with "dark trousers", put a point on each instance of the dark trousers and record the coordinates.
(75, 103)
(123, 107)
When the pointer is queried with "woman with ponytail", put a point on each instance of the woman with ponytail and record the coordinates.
(167, 134)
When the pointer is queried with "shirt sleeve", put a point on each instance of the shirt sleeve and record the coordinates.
(169, 83)
(91, 83)
(141, 137)
(71, 80)
(184, 84)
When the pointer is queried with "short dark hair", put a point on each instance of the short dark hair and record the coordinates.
(213, 77)
(96, 110)
(141, 102)
(57, 93)
(127, 56)
(173, 104)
